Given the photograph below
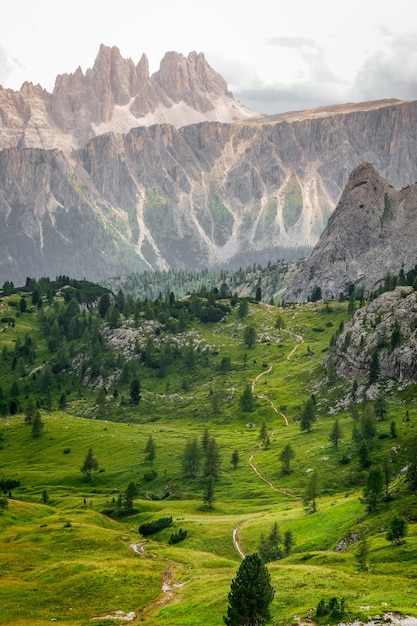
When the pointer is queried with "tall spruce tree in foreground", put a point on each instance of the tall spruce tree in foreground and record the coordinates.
(251, 594)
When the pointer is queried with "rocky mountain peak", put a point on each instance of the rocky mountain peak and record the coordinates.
(368, 235)
(115, 95)
(190, 79)
(142, 69)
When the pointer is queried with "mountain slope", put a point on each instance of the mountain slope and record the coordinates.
(184, 194)
(370, 234)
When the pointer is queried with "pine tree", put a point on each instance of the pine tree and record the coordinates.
(135, 394)
(37, 425)
(362, 553)
(286, 456)
(397, 530)
(212, 460)
(209, 493)
(246, 399)
(308, 416)
(150, 450)
(263, 436)
(30, 411)
(270, 548)
(289, 542)
(191, 458)
(251, 594)
(90, 464)
(373, 489)
(373, 368)
(336, 433)
(235, 459)
(249, 336)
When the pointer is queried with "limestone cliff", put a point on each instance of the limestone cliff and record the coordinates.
(370, 234)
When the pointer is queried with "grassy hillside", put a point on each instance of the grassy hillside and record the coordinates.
(70, 546)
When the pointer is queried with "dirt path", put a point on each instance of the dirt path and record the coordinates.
(299, 338)
(264, 397)
(286, 492)
(236, 540)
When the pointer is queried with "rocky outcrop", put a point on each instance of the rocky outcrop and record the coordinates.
(387, 327)
(369, 235)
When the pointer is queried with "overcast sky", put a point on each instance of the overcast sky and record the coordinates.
(275, 56)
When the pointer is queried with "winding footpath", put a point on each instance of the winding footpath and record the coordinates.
(236, 539)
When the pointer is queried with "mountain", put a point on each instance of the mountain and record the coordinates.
(369, 235)
(118, 171)
(115, 95)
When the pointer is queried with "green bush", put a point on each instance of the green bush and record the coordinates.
(148, 528)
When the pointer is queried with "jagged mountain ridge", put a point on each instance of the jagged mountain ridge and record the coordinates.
(159, 196)
(115, 95)
(370, 234)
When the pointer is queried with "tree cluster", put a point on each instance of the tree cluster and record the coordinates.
(275, 546)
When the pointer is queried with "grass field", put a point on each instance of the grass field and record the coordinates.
(65, 560)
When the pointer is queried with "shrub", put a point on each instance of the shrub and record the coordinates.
(4, 503)
(177, 537)
(150, 475)
(333, 609)
(148, 528)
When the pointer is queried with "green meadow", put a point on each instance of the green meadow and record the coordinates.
(67, 554)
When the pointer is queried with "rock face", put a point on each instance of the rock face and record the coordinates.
(118, 170)
(115, 96)
(386, 327)
(369, 235)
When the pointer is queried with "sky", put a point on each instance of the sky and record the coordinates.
(275, 56)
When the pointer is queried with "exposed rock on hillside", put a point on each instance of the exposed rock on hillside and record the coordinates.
(371, 233)
(387, 327)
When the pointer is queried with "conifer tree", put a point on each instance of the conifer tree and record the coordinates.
(336, 434)
(209, 492)
(191, 458)
(37, 425)
(251, 594)
(286, 456)
(90, 464)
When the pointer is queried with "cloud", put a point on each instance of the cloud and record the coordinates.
(6, 66)
(306, 79)
(389, 73)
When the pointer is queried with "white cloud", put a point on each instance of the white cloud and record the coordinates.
(274, 56)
